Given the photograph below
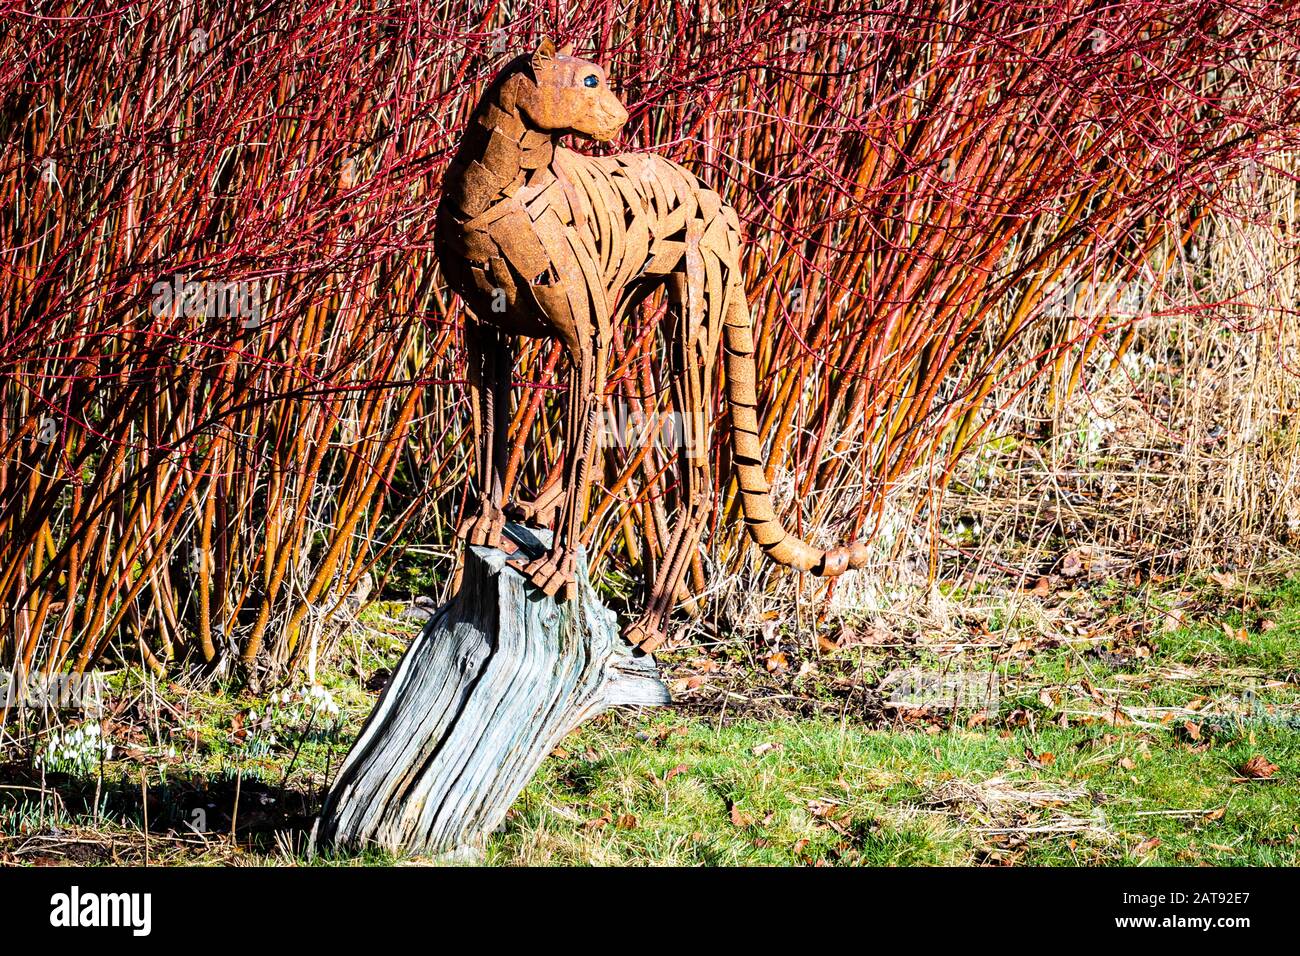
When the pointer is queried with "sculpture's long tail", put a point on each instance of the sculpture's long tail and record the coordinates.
(755, 497)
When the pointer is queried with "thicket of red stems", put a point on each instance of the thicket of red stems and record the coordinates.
(916, 178)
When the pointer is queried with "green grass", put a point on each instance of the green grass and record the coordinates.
(1124, 747)
(1086, 784)
(833, 793)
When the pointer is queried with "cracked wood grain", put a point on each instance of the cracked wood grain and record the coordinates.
(491, 685)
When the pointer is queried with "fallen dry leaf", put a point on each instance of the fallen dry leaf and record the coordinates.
(821, 808)
(627, 821)
(1173, 620)
(876, 634)
(1238, 634)
(777, 663)
(1146, 846)
(1257, 768)
(1020, 717)
(829, 646)
(1223, 579)
(739, 819)
(1039, 760)
(831, 813)
(766, 748)
(1072, 565)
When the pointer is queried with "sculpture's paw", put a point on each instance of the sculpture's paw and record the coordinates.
(536, 514)
(553, 574)
(541, 511)
(486, 529)
(644, 636)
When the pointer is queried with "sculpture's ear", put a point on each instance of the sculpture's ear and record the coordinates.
(545, 51)
(566, 50)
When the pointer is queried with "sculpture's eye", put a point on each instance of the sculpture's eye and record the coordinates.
(591, 80)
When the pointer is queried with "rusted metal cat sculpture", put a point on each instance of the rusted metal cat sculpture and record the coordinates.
(541, 241)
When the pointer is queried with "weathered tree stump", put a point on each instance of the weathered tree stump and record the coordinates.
(489, 687)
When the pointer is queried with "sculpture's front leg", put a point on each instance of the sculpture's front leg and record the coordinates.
(490, 363)
(554, 572)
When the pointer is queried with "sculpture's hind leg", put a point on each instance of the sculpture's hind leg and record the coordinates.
(692, 390)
